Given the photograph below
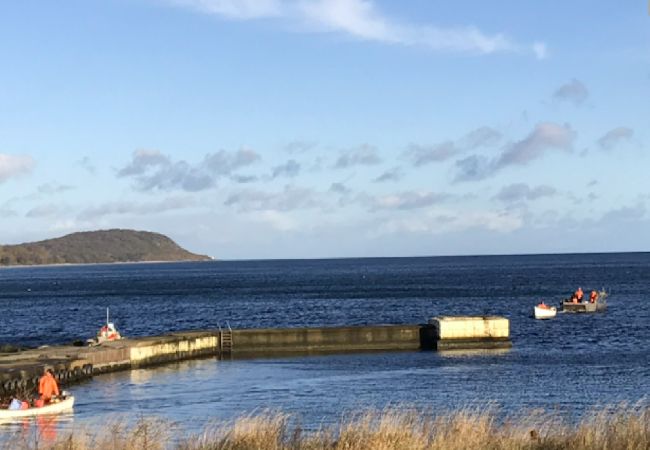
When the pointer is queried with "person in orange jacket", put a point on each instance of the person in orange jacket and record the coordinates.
(593, 297)
(579, 294)
(47, 386)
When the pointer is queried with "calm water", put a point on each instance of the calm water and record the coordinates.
(569, 364)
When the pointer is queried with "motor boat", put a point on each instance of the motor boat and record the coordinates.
(106, 333)
(587, 306)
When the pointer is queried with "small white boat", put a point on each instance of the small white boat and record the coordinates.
(543, 311)
(51, 408)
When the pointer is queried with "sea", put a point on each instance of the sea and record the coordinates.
(572, 365)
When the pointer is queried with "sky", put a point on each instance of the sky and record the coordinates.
(256, 129)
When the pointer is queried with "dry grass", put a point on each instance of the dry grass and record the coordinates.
(146, 434)
(617, 428)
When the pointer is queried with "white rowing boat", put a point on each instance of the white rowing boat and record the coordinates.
(51, 408)
(545, 312)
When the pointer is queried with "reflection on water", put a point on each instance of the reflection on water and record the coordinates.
(458, 353)
(140, 376)
(34, 431)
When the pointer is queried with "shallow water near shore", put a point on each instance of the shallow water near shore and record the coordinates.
(570, 364)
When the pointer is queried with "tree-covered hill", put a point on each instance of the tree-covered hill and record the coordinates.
(105, 246)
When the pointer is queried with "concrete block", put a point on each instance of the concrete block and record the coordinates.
(469, 327)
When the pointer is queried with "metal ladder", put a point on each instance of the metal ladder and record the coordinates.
(225, 341)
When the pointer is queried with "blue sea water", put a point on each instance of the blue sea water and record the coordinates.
(570, 364)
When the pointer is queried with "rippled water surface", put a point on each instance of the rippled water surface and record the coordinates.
(569, 364)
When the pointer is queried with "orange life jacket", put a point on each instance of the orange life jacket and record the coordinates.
(47, 387)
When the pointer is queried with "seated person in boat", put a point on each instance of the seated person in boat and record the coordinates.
(593, 297)
(47, 386)
(17, 404)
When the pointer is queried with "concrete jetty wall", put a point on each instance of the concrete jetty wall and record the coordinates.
(173, 347)
(324, 340)
(20, 371)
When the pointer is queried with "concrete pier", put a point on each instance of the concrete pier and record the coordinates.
(20, 371)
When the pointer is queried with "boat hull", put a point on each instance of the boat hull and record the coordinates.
(52, 408)
(545, 313)
(582, 307)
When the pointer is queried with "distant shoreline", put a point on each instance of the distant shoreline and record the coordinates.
(98, 247)
(23, 266)
(492, 255)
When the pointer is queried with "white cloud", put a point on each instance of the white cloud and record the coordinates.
(407, 200)
(501, 221)
(65, 225)
(442, 221)
(625, 214)
(133, 208)
(362, 19)
(152, 170)
(87, 164)
(574, 91)
(480, 137)
(364, 155)
(299, 146)
(393, 174)
(614, 137)
(474, 168)
(276, 219)
(540, 50)
(234, 9)
(521, 191)
(6, 212)
(289, 199)
(49, 210)
(339, 188)
(143, 159)
(53, 188)
(289, 169)
(420, 155)
(546, 136)
(14, 165)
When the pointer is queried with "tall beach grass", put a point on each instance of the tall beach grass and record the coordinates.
(612, 428)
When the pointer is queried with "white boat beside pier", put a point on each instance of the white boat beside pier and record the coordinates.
(51, 408)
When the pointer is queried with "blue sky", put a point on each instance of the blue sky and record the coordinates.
(316, 128)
